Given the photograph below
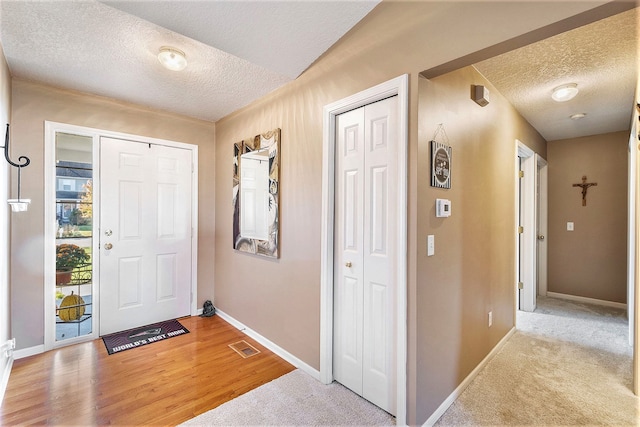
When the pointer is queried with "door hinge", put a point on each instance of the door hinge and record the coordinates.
(520, 230)
(521, 174)
(520, 285)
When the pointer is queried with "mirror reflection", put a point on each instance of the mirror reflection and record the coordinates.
(256, 194)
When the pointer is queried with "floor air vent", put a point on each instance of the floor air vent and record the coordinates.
(244, 349)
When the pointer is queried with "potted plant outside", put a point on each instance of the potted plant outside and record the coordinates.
(68, 257)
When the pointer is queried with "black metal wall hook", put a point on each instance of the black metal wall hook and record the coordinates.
(25, 162)
(23, 159)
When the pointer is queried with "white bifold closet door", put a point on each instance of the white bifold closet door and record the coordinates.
(365, 252)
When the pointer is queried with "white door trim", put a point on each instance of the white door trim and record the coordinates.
(633, 302)
(636, 284)
(543, 221)
(631, 244)
(400, 87)
(50, 226)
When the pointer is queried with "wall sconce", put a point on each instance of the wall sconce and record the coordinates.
(17, 205)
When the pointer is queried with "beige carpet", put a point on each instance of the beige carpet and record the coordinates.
(295, 399)
(568, 364)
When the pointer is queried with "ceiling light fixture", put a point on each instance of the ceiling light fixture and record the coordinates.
(565, 92)
(578, 116)
(172, 58)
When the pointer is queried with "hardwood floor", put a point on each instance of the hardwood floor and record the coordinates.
(164, 383)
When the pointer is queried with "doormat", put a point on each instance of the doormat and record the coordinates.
(126, 340)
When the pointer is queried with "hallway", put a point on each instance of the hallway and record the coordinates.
(567, 364)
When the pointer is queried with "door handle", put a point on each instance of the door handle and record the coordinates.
(540, 237)
(348, 264)
(108, 246)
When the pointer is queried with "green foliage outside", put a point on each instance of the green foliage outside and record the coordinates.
(86, 207)
(69, 256)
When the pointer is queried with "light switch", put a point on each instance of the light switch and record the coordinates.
(570, 226)
(431, 245)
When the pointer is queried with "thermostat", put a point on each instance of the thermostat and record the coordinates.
(443, 208)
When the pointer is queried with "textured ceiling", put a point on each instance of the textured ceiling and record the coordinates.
(237, 51)
(284, 36)
(602, 58)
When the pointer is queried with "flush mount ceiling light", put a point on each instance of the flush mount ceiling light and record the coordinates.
(172, 58)
(578, 116)
(565, 92)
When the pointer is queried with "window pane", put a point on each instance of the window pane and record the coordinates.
(74, 215)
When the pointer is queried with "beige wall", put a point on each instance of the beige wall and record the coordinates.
(280, 299)
(473, 269)
(592, 260)
(32, 105)
(5, 114)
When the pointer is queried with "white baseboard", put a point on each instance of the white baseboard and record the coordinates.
(4, 379)
(587, 300)
(458, 391)
(270, 345)
(26, 352)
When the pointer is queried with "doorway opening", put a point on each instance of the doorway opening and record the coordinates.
(531, 217)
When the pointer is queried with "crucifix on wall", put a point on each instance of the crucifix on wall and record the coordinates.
(585, 185)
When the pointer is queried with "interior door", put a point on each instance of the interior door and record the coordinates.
(520, 236)
(364, 266)
(527, 233)
(542, 221)
(145, 234)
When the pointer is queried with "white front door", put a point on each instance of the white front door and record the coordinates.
(365, 248)
(145, 234)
